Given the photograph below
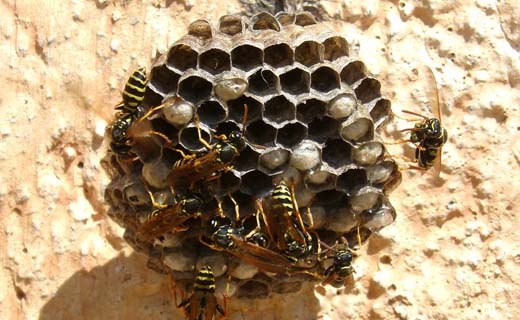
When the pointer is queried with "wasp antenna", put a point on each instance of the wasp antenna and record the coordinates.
(412, 113)
(244, 118)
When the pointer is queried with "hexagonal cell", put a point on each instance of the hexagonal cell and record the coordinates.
(200, 29)
(164, 80)
(304, 19)
(151, 96)
(236, 109)
(368, 90)
(195, 89)
(353, 72)
(178, 112)
(256, 183)
(365, 199)
(246, 204)
(357, 129)
(211, 112)
(279, 55)
(226, 127)
(274, 161)
(260, 133)
(182, 57)
(155, 173)
(351, 180)
(189, 137)
(229, 88)
(310, 109)
(379, 174)
(215, 61)
(330, 198)
(227, 183)
(305, 156)
(381, 111)
(337, 153)
(296, 81)
(335, 47)
(263, 82)
(379, 218)
(322, 129)
(169, 133)
(230, 24)
(309, 53)
(246, 160)
(340, 219)
(264, 21)
(320, 180)
(291, 134)
(325, 79)
(279, 110)
(285, 18)
(246, 57)
(369, 153)
(342, 106)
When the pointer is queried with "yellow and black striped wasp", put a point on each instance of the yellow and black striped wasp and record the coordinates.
(133, 94)
(284, 223)
(340, 273)
(251, 247)
(202, 303)
(428, 134)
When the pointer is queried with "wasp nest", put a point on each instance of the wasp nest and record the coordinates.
(308, 111)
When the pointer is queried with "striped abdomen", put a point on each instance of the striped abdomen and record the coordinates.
(282, 199)
(205, 280)
(135, 87)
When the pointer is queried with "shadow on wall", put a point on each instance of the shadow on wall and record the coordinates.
(124, 288)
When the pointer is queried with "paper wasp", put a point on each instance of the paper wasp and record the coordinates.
(250, 247)
(202, 303)
(428, 134)
(284, 223)
(167, 218)
(133, 94)
(208, 166)
(340, 273)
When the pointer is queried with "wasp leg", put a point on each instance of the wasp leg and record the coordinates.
(201, 140)
(162, 136)
(236, 208)
(310, 218)
(155, 204)
(183, 155)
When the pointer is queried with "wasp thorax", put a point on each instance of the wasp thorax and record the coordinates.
(263, 132)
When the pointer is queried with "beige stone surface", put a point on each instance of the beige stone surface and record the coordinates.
(453, 252)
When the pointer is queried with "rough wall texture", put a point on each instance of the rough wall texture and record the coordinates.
(453, 252)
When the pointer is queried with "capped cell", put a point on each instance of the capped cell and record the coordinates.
(319, 180)
(357, 128)
(178, 112)
(274, 161)
(368, 153)
(365, 198)
(264, 21)
(229, 88)
(231, 24)
(305, 155)
(200, 29)
(342, 106)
